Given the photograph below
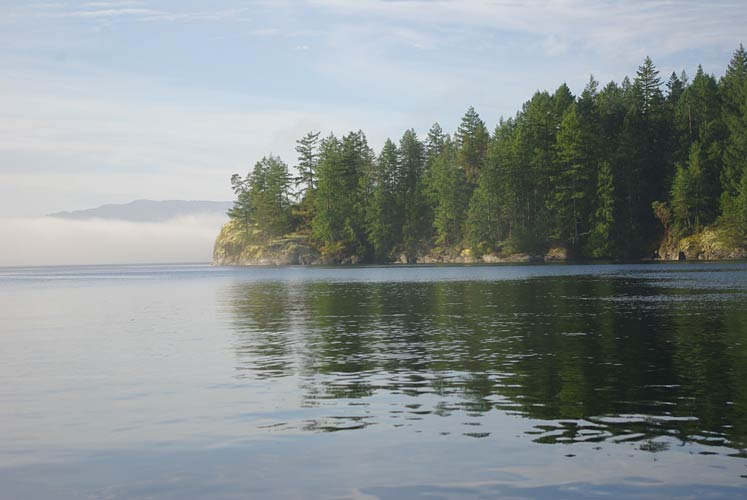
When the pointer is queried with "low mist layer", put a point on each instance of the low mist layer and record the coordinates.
(53, 241)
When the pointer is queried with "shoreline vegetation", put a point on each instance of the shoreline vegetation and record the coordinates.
(644, 169)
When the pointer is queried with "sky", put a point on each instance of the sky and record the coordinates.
(111, 101)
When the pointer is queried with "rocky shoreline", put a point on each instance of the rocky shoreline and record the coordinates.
(704, 245)
(234, 248)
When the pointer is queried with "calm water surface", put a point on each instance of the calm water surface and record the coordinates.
(549, 382)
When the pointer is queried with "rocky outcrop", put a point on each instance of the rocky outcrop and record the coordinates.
(705, 245)
(234, 247)
(557, 254)
(466, 256)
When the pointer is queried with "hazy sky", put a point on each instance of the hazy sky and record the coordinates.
(109, 101)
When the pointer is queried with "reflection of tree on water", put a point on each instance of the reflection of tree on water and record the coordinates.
(710, 357)
(262, 320)
(597, 359)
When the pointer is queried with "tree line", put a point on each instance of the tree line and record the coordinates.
(603, 174)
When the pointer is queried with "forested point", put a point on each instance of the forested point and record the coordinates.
(611, 173)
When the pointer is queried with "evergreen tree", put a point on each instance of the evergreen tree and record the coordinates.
(734, 218)
(734, 115)
(382, 226)
(675, 88)
(601, 242)
(336, 222)
(308, 160)
(562, 100)
(448, 185)
(485, 226)
(412, 198)
(434, 143)
(308, 163)
(533, 165)
(472, 143)
(270, 195)
(263, 205)
(569, 174)
(645, 161)
(703, 100)
(566, 181)
(689, 198)
(648, 87)
(242, 210)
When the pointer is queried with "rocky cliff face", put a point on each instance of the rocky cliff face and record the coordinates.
(705, 245)
(233, 247)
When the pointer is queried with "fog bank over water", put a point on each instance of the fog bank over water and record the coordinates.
(54, 241)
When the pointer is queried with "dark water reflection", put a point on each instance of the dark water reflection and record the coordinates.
(592, 359)
(544, 382)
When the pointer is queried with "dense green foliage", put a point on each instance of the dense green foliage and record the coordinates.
(603, 174)
(263, 202)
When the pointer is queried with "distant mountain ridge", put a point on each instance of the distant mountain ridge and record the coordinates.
(148, 210)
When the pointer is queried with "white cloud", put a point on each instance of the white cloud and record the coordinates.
(102, 13)
(599, 26)
(236, 15)
(113, 3)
